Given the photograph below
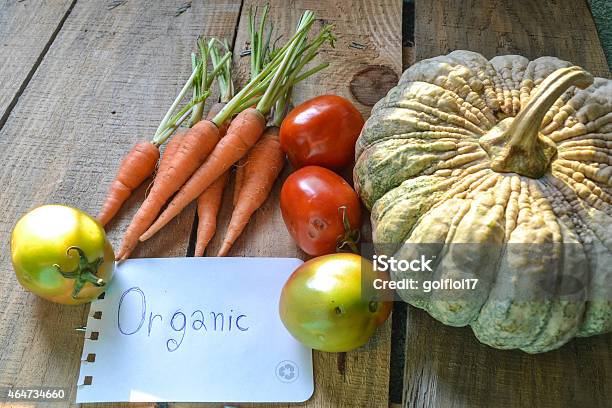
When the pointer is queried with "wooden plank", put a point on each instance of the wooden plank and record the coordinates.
(561, 28)
(25, 30)
(104, 84)
(446, 366)
(359, 378)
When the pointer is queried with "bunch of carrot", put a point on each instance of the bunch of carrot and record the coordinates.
(195, 164)
(144, 159)
(140, 163)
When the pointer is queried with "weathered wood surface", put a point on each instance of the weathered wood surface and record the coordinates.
(562, 28)
(446, 366)
(104, 83)
(26, 29)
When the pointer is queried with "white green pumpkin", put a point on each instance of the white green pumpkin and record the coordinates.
(477, 156)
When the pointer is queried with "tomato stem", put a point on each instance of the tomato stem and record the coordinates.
(350, 237)
(84, 272)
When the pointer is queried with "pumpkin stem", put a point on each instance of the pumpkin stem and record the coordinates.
(516, 145)
(84, 272)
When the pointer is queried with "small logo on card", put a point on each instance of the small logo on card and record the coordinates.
(287, 371)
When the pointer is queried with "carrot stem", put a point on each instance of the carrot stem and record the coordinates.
(200, 80)
(178, 119)
(281, 108)
(231, 107)
(198, 109)
(204, 81)
(218, 68)
(177, 101)
(276, 70)
(307, 53)
(267, 101)
(259, 48)
(224, 78)
(310, 72)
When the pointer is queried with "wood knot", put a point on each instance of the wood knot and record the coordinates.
(372, 83)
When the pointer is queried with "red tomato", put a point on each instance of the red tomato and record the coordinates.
(314, 202)
(321, 132)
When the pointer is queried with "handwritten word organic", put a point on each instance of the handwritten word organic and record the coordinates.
(138, 318)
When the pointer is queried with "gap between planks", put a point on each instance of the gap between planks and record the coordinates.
(35, 66)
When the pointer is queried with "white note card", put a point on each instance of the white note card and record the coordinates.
(194, 330)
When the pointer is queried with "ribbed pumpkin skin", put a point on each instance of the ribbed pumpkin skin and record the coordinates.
(432, 168)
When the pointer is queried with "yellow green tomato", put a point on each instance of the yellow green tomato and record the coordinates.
(62, 254)
(322, 307)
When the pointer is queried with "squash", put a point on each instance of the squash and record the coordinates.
(499, 171)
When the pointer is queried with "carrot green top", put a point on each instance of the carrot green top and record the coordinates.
(200, 81)
(281, 72)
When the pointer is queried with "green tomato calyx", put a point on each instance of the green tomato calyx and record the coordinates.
(84, 272)
(350, 237)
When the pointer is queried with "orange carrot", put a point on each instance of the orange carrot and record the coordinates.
(263, 165)
(169, 152)
(242, 134)
(210, 200)
(135, 168)
(209, 203)
(238, 180)
(196, 145)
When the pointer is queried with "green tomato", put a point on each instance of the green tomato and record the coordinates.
(62, 254)
(322, 307)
